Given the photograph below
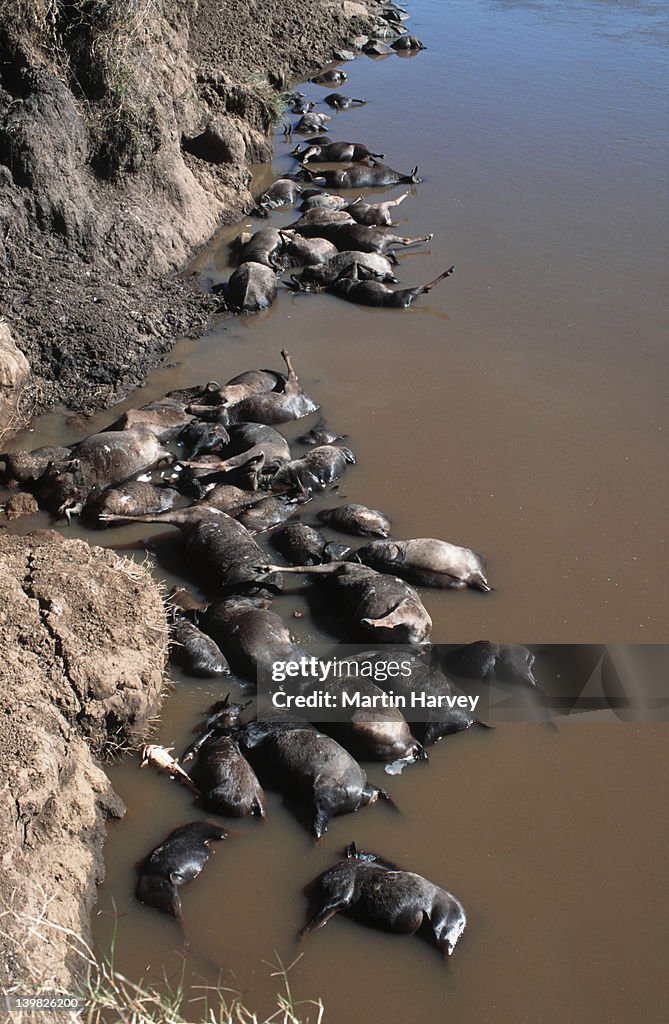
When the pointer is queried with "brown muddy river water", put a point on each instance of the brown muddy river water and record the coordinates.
(518, 409)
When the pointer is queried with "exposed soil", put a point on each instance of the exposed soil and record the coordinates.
(102, 198)
(84, 643)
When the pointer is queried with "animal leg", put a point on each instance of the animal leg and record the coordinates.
(292, 376)
(330, 568)
(397, 240)
(395, 202)
(408, 921)
(371, 794)
(430, 284)
(393, 618)
(322, 916)
(321, 818)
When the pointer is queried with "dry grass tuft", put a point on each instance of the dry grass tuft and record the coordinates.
(100, 49)
(111, 998)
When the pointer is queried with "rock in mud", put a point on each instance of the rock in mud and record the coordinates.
(14, 377)
(20, 504)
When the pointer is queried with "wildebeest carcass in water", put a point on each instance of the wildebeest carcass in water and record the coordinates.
(315, 471)
(359, 237)
(263, 246)
(335, 152)
(374, 604)
(267, 398)
(248, 440)
(374, 214)
(276, 406)
(316, 198)
(307, 251)
(362, 176)
(448, 710)
(251, 288)
(303, 545)
(379, 894)
(243, 385)
(486, 660)
(252, 636)
(407, 44)
(374, 730)
(226, 780)
(341, 102)
(314, 278)
(357, 519)
(222, 719)
(269, 512)
(319, 216)
(136, 497)
(304, 762)
(166, 417)
(28, 467)
(193, 651)
(357, 284)
(100, 461)
(427, 562)
(179, 859)
(320, 434)
(221, 550)
(332, 77)
(310, 123)
(282, 192)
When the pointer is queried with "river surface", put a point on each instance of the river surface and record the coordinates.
(519, 409)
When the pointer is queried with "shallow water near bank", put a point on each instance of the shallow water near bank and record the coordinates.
(517, 409)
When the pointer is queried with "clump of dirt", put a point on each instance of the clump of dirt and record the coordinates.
(84, 645)
(14, 377)
(20, 504)
(127, 130)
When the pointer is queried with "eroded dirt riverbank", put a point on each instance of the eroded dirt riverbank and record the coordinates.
(84, 644)
(101, 197)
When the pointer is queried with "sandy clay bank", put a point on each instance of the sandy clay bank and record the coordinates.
(84, 642)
